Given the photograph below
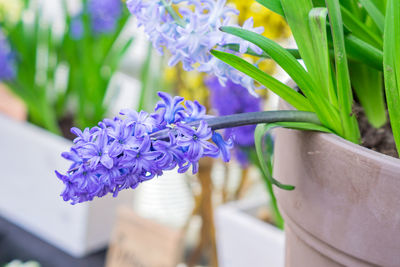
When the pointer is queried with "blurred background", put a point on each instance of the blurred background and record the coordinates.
(72, 63)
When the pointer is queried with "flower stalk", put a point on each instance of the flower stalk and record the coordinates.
(250, 118)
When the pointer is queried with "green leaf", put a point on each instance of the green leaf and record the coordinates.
(268, 159)
(307, 126)
(297, 17)
(273, 5)
(292, 97)
(278, 54)
(352, 6)
(263, 155)
(361, 51)
(318, 30)
(264, 146)
(235, 47)
(368, 86)
(359, 29)
(374, 13)
(327, 114)
(391, 60)
(344, 92)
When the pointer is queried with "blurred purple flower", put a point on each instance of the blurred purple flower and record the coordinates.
(121, 153)
(76, 28)
(232, 99)
(7, 60)
(104, 14)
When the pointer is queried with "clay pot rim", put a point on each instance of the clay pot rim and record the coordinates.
(337, 140)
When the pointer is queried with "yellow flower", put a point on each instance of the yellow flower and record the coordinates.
(10, 10)
(275, 27)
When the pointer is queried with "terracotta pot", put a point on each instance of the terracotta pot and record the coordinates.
(345, 209)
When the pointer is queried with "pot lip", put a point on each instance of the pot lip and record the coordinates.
(358, 149)
(346, 144)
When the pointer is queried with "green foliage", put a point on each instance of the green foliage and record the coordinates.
(346, 47)
(391, 64)
(351, 37)
(84, 66)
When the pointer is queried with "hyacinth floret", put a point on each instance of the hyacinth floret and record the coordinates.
(192, 32)
(122, 152)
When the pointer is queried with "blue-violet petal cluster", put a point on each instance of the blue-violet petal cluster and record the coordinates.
(122, 152)
(232, 99)
(103, 14)
(190, 36)
(7, 60)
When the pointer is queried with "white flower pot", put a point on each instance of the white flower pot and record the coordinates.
(245, 240)
(30, 192)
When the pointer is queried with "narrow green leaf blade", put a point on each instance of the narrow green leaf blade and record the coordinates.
(359, 29)
(318, 31)
(374, 13)
(259, 134)
(360, 51)
(273, 5)
(306, 126)
(327, 114)
(292, 97)
(235, 47)
(344, 91)
(368, 86)
(264, 149)
(278, 54)
(391, 60)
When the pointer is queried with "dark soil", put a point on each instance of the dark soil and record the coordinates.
(380, 140)
(65, 125)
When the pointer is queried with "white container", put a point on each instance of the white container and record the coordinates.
(30, 191)
(244, 240)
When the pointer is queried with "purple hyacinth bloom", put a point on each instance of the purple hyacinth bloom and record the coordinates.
(7, 60)
(195, 111)
(121, 153)
(171, 154)
(172, 109)
(141, 158)
(76, 28)
(190, 39)
(143, 123)
(224, 146)
(104, 14)
(82, 137)
(197, 141)
(232, 99)
(97, 151)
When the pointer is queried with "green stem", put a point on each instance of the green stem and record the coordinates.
(274, 205)
(235, 47)
(278, 220)
(249, 118)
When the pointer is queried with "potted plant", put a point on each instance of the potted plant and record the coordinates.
(62, 76)
(336, 185)
(337, 197)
